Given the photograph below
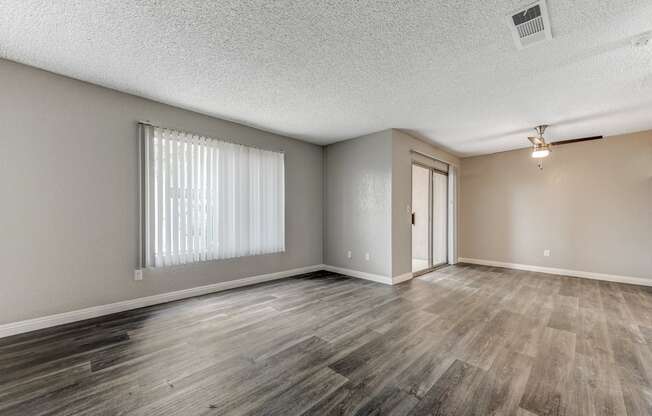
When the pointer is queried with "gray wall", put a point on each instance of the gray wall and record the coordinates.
(368, 197)
(357, 194)
(402, 160)
(68, 180)
(591, 206)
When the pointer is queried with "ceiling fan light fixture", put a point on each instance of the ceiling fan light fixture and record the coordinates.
(541, 151)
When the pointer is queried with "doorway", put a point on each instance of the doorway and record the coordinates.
(429, 218)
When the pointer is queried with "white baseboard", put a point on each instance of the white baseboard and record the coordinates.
(401, 278)
(369, 276)
(29, 325)
(361, 275)
(564, 272)
(95, 311)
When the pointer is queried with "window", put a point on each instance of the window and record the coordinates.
(205, 199)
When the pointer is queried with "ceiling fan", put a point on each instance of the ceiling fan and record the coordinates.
(542, 149)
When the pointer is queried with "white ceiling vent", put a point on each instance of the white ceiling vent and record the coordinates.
(530, 25)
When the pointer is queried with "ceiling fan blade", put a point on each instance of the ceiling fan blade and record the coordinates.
(583, 139)
(535, 140)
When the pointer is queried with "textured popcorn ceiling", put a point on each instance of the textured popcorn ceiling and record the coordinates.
(323, 71)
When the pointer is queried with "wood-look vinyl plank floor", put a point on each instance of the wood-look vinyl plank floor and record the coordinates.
(463, 340)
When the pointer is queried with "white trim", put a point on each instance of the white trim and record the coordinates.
(401, 278)
(34, 324)
(564, 272)
(361, 275)
(95, 311)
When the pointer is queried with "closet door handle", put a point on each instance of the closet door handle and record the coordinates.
(413, 218)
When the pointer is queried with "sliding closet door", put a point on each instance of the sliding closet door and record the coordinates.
(439, 218)
(420, 218)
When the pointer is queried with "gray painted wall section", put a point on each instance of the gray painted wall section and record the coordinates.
(357, 194)
(68, 176)
(591, 206)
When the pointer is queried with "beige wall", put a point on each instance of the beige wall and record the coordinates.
(68, 212)
(591, 206)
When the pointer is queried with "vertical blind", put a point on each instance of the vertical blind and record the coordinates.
(206, 199)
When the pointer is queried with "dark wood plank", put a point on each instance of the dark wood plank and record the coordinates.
(547, 389)
(597, 390)
(565, 313)
(451, 393)
(502, 386)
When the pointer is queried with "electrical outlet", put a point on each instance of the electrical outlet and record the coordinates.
(138, 274)
(348, 254)
(546, 253)
(366, 256)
